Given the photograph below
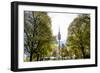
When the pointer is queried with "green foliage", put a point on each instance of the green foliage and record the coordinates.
(37, 35)
(78, 40)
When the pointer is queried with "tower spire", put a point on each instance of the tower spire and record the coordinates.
(59, 38)
(59, 35)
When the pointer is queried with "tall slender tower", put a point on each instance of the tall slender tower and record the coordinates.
(59, 38)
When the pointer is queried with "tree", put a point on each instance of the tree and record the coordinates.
(38, 35)
(78, 40)
(28, 29)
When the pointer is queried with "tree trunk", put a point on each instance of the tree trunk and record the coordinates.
(31, 56)
(37, 57)
(83, 53)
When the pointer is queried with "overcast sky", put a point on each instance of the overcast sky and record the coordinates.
(61, 20)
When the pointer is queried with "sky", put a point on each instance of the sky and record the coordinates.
(62, 21)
